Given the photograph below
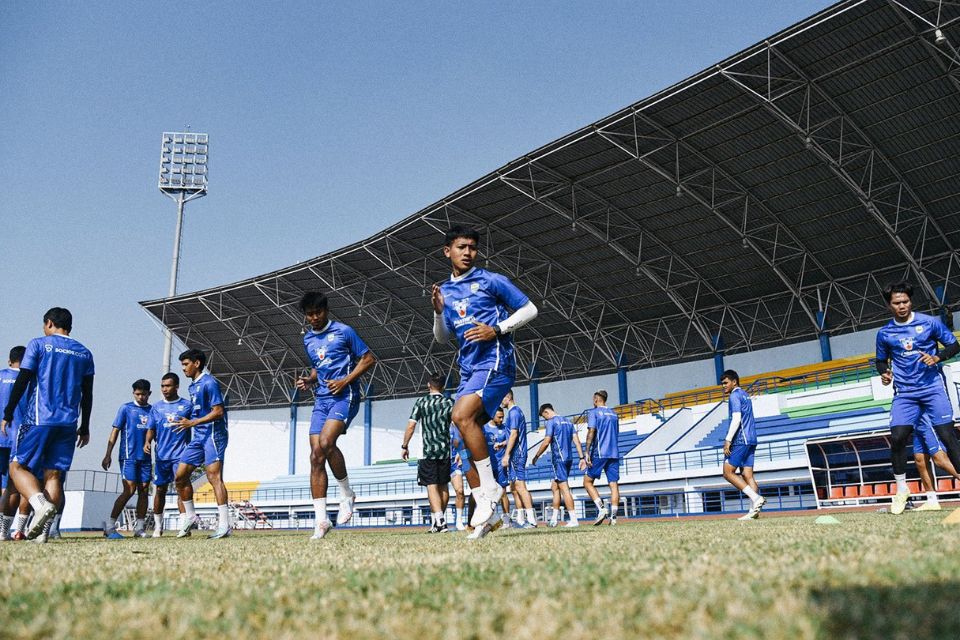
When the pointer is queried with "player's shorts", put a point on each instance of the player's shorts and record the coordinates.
(499, 473)
(610, 467)
(913, 407)
(342, 409)
(136, 470)
(4, 466)
(489, 385)
(206, 450)
(164, 472)
(433, 471)
(40, 448)
(518, 468)
(464, 465)
(741, 455)
(926, 440)
(561, 469)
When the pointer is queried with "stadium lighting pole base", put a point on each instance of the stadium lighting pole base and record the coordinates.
(953, 518)
(826, 520)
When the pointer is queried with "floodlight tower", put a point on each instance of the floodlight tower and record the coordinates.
(183, 177)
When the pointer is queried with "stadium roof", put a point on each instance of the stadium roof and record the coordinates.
(800, 174)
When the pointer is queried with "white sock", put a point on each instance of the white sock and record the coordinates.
(223, 515)
(573, 516)
(139, 525)
(37, 501)
(750, 493)
(345, 489)
(485, 471)
(438, 519)
(521, 516)
(613, 509)
(599, 503)
(20, 522)
(188, 514)
(6, 521)
(531, 516)
(459, 516)
(901, 479)
(932, 496)
(158, 521)
(320, 510)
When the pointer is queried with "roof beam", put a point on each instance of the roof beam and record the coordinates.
(945, 55)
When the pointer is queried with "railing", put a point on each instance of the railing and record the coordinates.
(644, 406)
(89, 480)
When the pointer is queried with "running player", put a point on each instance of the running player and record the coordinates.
(166, 442)
(740, 443)
(927, 447)
(515, 456)
(909, 343)
(603, 456)
(339, 357)
(459, 467)
(433, 469)
(56, 373)
(208, 444)
(10, 499)
(131, 424)
(472, 306)
(560, 436)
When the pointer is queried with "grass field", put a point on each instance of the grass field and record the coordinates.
(871, 576)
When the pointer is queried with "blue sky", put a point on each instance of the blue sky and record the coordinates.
(327, 122)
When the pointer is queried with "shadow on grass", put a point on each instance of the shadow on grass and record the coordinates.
(909, 611)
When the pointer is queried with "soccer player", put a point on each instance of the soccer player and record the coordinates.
(56, 373)
(166, 442)
(473, 307)
(560, 436)
(459, 467)
(909, 343)
(515, 457)
(603, 456)
(208, 444)
(927, 447)
(130, 425)
(433, 469)
(339, 357)
(495, 436)
(10, 499)
(740, 443)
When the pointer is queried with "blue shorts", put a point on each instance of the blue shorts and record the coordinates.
(207, 450)
(499, 473)
(610, 467)
(561, 470)
(4, 465)
(40, 448)
(164, 472)
(912, 407)
(489, 385)
(136, 470)
(741, 455)
(925, 439)
(518, 468)
(342, 409)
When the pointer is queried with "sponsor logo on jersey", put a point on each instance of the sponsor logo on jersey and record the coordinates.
(48, 347)
(331, 338)
(460, 306)
(907, 344)
(321, 353)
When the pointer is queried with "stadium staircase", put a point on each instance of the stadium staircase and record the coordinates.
(248, 516)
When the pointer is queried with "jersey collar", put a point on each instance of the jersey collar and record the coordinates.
(325, 327)
(909, 320)
(200, 377)
(463, 275)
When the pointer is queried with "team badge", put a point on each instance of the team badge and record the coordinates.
(321, 353)
(460, 306)
(331, 337)
(907, 344)
(171, 418)
(474, 287)
(918, 329)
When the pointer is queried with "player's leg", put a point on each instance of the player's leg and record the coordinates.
(143, 500)
(922, 460)
(505, 507)
(589, 485)
(518, 467)
(159, 504)
(129, 487)
(947, 433)
(332, 430)
(757, 501)
(31, 454)
(466, 415)
(436, 515)
(571, 507)
(459, 499)
(444, 498)
(554, 503)
(904, 415)
(190, 459)
(214, 471)
(55, 459)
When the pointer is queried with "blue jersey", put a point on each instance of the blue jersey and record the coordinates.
(605, 442)
(516, 421)
(484, 297)
(903, 343)
(740, 403)
(561, 431)
(60, 364)
(205, 395)
(169, 444)
(494, 435)
(334, 352)
(132, 420)
(7, 378)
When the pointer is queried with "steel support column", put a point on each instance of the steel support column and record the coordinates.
(622, 379)
(718, 356)
(292, 450)
(824, 337)
(534, 422)
(367, 426)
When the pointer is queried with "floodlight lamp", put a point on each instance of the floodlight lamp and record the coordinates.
(679, 191)
(938, 37)
(808, 143)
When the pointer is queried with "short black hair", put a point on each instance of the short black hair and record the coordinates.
(171, 376)
(60, 317)
(897, 287)
(460, 231)
(194, 355)
(16, 354)
(313, 300)
(499, 410)
(731, 375)
(435, 381)
(141, 385)
(544, 407)
(602, 393)
(508, 393)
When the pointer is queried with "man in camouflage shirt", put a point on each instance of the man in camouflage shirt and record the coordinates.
(433, 412)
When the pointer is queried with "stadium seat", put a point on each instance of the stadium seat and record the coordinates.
(821, 493)
(881, 489)
(866, 491)
(851, 491)
(836, 493)
(946, 484)
(914, 487)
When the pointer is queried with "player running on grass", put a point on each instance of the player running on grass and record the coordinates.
(208, 444)
(474, 306)
(166, 442)
(515, 458)
(603, 456)
(909, 343)
(131, 424)
(561, 436)
(432, 411)
(56, 374)
(11, 498)
(740, 443)
(339, 357)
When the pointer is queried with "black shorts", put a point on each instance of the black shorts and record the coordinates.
(431, 471)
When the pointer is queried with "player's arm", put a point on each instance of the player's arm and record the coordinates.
(576, 442)
(882, 360)
(111, 441)
(363, 365)
(542, 449)
(407, 435)
(216, 413)
(508, 447)
(591, 435)
(151, 433)
(735, 420)
(950, 346)
(19, 388)
(440, 329)
(86, 406)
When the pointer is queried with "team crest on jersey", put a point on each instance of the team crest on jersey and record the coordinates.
(171, 418)
(918, 329)
(143, 422)
(907, 344)
(48, 347)
(331, 338)
(460, 306)
(321, 353)
(474, 287)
